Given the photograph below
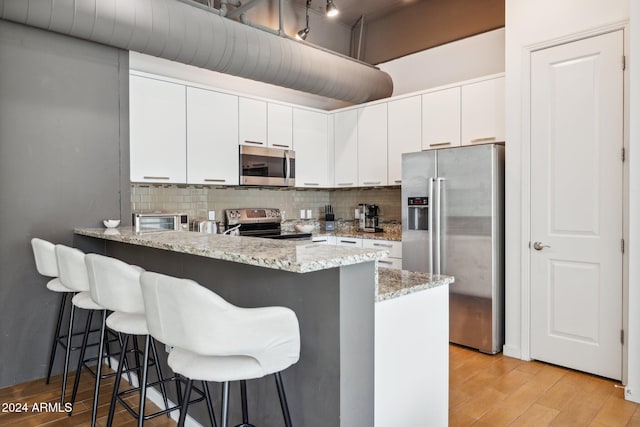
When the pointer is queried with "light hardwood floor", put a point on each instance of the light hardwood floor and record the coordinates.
(485, 391)
(501, 391)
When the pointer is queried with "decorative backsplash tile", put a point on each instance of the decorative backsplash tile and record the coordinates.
(197, 200)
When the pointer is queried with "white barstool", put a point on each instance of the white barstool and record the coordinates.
(115, 285)
(47, 265)
(214, 340)
(73, 274)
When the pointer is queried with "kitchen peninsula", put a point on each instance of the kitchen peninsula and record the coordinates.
(333, 291)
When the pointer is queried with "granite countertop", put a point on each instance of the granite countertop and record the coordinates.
(395, 283)
(392, 235)
(295, 256)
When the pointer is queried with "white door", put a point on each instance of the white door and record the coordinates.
(576, 204)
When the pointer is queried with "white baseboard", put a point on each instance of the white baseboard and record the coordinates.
(155, 397)
(512, 351)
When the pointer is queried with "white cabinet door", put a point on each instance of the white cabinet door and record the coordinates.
(324, 240)
(157, 126)
(392, 263)
(346, 148)
(483, 112)
(405, 132)
(312, 151)
(372, 145)
(441, 119)
(394, 248)
(212, 137)
(280, 126)
(252, 122)
(349, 241)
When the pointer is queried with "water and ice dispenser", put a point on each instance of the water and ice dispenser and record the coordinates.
(418, 213)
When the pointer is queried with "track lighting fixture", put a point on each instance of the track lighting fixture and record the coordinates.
(332, 10)
(303, 33)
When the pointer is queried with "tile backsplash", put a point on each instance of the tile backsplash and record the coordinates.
(197, 200)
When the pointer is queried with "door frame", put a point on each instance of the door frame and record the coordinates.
(525, 187)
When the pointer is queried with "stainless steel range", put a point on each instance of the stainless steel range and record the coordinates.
(261, 222)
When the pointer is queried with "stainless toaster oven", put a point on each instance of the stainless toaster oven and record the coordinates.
(160, 221)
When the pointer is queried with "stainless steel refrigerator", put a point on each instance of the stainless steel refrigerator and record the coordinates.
(453, 224)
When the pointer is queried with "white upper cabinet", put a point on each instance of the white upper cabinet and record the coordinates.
(372, 145)
(441, 119)
(212, 137)
(346, 148)
(310, 139)
(252, 128)
(279, 126)
(405, 133)
(483, 112)
(157, 127)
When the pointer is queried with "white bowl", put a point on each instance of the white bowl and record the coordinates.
(111, 223)
(304, 228)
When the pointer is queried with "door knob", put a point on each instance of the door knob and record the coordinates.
(538, 246)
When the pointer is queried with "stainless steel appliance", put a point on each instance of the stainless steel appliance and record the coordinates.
(267, 166)
(263, 222)
(368, 220)
(453, 224)
(160, 221)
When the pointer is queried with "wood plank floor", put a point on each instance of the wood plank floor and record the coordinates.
(501, 391)
(485, 391)
(36, 392)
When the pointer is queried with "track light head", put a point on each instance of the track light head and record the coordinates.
(332, 10)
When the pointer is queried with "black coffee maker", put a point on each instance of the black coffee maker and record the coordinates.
(368, 218)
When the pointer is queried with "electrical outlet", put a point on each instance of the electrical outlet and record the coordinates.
(212, 215)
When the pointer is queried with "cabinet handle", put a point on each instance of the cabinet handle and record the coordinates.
(214, 180)
(440, 144)
(371, 183)
(319, 241)
(254, 142)
(398, 181)
(345, 183)
(384, 262)
(383, 245)
(348, 241)
(280, 145)
(488, 138)
(156, 177)
(311, 183)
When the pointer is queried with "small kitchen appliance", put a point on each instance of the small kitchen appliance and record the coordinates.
(160, 221)
(261, 222)
(267, 166)
(368, 220)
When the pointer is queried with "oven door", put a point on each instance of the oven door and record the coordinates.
(267, 166)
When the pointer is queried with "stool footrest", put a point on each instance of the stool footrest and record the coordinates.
(120, 397)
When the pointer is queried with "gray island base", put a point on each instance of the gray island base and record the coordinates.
(333, 382)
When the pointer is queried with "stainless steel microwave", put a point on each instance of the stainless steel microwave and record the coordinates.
(267, 166)
(160, 221)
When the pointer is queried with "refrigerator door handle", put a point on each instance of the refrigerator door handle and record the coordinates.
(430, 225)
(438, 258)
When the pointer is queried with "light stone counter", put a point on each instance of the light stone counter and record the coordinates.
(295, 256)
(396, 283)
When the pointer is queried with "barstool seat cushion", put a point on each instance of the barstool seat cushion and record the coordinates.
(56, 285)
(214, 368)
(128, 323)
(83, 300)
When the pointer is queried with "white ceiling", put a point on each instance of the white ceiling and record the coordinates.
(352, 10)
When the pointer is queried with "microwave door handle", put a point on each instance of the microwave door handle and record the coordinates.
(287, 166)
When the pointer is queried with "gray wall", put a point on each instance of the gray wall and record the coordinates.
(63, 164)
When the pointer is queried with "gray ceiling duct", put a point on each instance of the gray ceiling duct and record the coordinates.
(176, 31)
